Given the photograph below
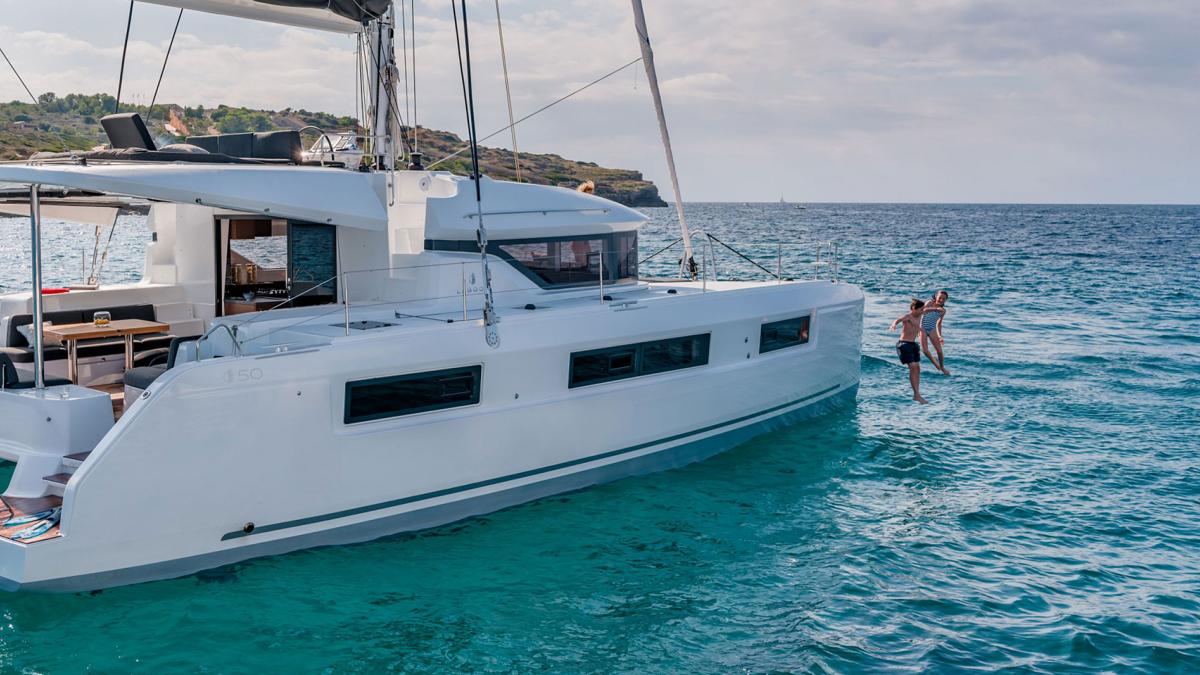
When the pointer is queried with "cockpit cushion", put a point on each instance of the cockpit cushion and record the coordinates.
(283, 145)
(11, 378)
(185, 148)
(127, 130)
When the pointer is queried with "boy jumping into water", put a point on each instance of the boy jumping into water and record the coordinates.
(931, 330)
(910, 353)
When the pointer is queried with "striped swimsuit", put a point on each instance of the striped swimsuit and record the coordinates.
(929, 322)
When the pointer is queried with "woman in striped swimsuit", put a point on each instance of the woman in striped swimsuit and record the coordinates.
(931, 330)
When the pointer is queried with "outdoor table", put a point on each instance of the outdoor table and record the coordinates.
(72, 333)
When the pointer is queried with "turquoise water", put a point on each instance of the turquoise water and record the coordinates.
(1040, 515)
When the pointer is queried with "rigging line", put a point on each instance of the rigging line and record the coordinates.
(380, 77)
(404, 51)
(659, 251)
(393, 106)
(512, 127)
(739, 253)
(412, 19)
(33, 98)
(462, 76)
(538, 111)
(357, 83)
(490, 319)
(363, 97)
(471, 111)
(154, 99)
(21, 79)
(98, 270)
(95, 256)
(368, 124)
(124, 53)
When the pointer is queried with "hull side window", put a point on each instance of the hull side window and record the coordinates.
(646, 358)
(783, 334)
(386, 397)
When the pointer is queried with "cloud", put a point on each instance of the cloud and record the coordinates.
(911, 100)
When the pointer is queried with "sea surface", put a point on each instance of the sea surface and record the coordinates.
(1042, 514)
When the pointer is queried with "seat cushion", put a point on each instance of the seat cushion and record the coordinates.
(152, 357)
(236, 145)
(16, 339)
(48, 340)
(127, 130)
(64, 316)
(284, 144)
(27, 382)
(208, 143)
(25, 354)
(143, 312)
(143, 377)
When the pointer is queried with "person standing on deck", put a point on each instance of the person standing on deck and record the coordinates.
(907, 349)
(931, 330)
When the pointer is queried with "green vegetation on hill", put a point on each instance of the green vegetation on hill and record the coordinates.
(620, 185)
(72, 122)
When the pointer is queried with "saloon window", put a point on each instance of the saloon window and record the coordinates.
(559, 263)
(645, 358)
(386, 397)
(783, 334)
(563, 262)
(576, 261)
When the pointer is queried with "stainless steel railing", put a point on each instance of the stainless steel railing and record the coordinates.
(827, 264)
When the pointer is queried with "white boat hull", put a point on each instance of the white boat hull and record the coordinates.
(220, 444)
(444, 512)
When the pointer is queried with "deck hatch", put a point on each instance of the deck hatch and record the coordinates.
(365, 325)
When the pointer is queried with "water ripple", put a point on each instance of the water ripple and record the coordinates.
(1039, 516)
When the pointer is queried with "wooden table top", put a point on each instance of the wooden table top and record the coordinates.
(121, 328)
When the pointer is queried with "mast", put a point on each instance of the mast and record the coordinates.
(688, 264)
(383, 76)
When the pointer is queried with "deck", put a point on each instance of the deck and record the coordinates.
(116, 392)
(13, 508)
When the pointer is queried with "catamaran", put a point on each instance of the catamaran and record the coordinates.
(324, 353)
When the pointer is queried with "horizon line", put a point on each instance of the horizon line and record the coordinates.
(929, 203)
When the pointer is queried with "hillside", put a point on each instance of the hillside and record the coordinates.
(73, 122)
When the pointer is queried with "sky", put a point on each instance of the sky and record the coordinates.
(810, 100)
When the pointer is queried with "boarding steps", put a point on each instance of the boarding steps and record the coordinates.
(57, 483)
